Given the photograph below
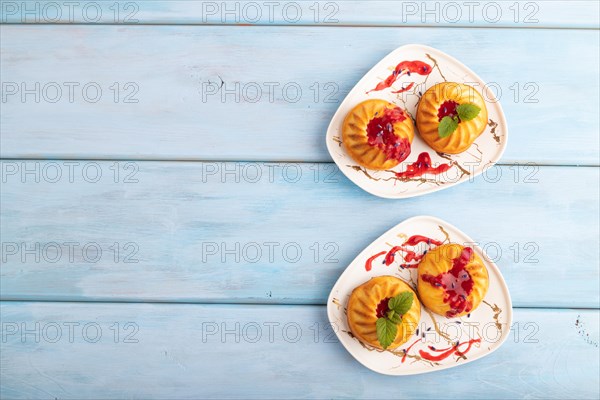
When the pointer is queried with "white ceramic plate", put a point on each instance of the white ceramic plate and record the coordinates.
(487, 326)
(482, 154)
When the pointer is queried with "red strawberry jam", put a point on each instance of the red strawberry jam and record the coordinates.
(421, 167)
(457, 284)
(380, 133)
(447, 109)
(418, 67)
(382, 308)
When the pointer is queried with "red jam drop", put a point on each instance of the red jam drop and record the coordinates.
(421, 167)
(457, 284)
(447, 109)
(380, 133)
(382, 307)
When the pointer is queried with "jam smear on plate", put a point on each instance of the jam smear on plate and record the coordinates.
(445, 353)
(416, 239)
(405, 89)
(417, 67)
(404, 67)
(409, 255)
(369, 263)
(421, 167)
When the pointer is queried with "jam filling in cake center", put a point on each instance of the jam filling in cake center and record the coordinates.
(448, 109)
(380, 133)
(382, 308)
(457, 284)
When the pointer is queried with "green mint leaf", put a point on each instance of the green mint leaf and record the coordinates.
(467, 111)
(401, 303)
(447, 126)
(386, 332)
(394, 317)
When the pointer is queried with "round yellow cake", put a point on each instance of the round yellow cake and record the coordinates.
(369, 299)
(452, 280)
(378, 134)
(441, 100)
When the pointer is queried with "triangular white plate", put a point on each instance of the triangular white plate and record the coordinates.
(482, 154)
(488, 325)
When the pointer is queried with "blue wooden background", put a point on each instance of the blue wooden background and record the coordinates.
(175, 236)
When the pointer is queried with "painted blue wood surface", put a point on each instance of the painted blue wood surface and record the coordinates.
(171, 67)
(489, 14)
(177, 356)
(199, 227)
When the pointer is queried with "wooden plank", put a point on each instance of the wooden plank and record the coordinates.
(178, 117)
(273, 233)
(502, 14)
(548, 355)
